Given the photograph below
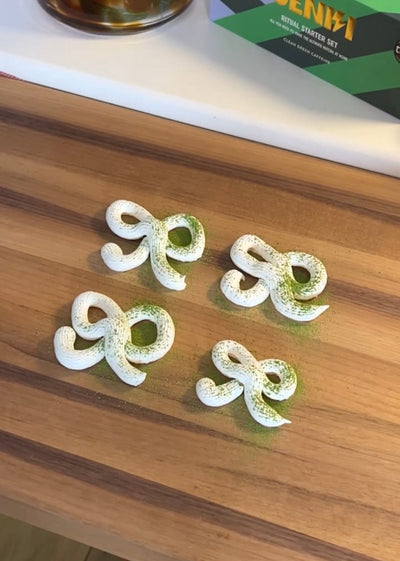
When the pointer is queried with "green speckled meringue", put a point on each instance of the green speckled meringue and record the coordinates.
(114, 334)
(276, 278)
(155, 243)
(249, 376)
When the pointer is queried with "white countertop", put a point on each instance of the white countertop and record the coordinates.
(193, 71)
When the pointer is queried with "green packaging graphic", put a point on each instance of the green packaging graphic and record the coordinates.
(354, 45)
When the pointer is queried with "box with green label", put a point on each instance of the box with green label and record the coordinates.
(354, 45)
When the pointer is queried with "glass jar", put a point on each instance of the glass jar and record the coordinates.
(113, 16)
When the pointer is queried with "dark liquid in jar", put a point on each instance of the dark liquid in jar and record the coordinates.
(113, 16)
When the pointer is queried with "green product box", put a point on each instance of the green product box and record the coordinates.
(353, 44)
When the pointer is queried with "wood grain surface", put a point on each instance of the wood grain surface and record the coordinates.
(149, 473)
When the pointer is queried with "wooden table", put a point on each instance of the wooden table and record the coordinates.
(149, 473)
